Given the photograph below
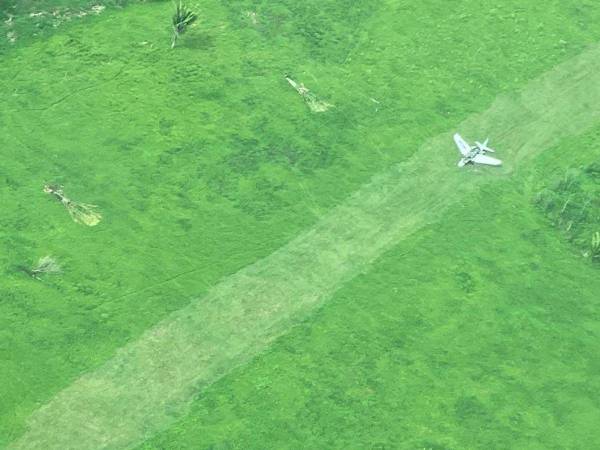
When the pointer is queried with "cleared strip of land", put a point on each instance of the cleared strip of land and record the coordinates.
(150, 382)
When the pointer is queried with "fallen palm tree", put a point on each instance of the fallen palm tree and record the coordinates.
(311, 99)
(80, 212)
(45, 265)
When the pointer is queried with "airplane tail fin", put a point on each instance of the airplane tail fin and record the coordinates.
(485, 147)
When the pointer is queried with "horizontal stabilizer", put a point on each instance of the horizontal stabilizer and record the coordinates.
(483, 159)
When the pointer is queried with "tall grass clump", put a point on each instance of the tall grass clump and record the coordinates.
(595, 247)
(572, 204)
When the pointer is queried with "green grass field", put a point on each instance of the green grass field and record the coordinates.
(268, 277)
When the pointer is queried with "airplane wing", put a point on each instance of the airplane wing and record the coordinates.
(462, 145)
(482, 159)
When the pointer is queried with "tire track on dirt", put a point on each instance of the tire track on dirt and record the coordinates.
(149, 383)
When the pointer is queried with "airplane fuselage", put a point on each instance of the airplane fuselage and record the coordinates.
(475, 150)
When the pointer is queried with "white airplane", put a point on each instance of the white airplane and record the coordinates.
(475, 153)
